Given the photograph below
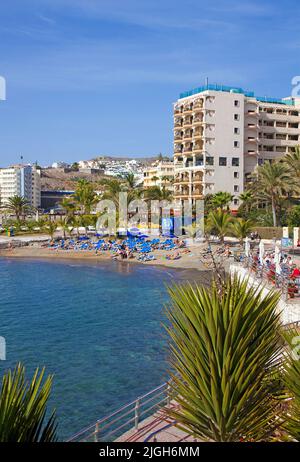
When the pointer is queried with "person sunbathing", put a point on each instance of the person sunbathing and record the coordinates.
(173, 256)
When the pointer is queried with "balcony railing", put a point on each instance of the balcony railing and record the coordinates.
(128, 417)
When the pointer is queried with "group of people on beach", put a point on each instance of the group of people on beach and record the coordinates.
(142, 249)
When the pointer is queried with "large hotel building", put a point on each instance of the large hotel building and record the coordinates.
(221, 133)
(20, 180)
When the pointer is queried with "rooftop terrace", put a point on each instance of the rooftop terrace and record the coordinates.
(228, 89)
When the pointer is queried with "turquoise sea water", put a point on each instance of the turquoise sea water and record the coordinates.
(96, 327)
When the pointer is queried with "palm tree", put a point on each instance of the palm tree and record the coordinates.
(155, 179)
(240, 228)
(85, 196)
(165, 179)
(18, 205)
(225, 351)
(130, 181)
(219, 222)
(50, 227)
(69, 205)
(64, 224)
(113, 188)
(292, 160)
(247, 198)
(23, 407)
(271, 182)
(221, 200)
(292, 382)
(157, 193)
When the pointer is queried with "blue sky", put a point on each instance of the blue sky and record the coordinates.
(91, 77)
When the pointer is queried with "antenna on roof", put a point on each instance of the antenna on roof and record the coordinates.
(206, 82)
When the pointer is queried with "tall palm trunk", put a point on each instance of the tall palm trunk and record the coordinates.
(274, 211)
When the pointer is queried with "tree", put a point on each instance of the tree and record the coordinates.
(157, 193)
(165, 179)
(219, 223)
(69, 205)
(292, 382)
(225, 350)
(247, 200)
(292, 160)
(23, 407)
(240, 228)
(18, 205)
(221, 200)
(271, 182)
(155, 179)
(65, 225)
(293, 217)
(50, 227)
(75, 166)
(130, 181)
(85, 196)
(113, 188)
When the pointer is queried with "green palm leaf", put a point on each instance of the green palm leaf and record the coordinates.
(225, 350)
(23, 408)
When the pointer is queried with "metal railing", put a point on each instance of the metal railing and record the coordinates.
(289, 287)
(126, 418)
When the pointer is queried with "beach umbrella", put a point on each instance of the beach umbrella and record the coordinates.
(277, 268)
(261, 252)
(247, 246)
(277, 256)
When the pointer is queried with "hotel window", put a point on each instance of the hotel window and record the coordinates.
(235, 162)
(236, 130)
(209, 160)
(235, 174)
(236, 202)
(236, 144)
(223, 161)
(236, 188)
(236, 103)
(236, 117)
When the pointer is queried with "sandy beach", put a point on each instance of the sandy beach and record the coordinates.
(188, 261)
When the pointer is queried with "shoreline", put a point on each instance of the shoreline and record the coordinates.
(190, 261)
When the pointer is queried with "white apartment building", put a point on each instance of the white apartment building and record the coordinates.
(160, 173)
(221, 133)
(21, 180)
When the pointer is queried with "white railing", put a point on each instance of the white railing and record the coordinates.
(126, 418)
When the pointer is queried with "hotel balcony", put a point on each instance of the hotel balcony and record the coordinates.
(197, 193)
(179, 193)
(251, 139)
(182, 177)
(281, 117)
(188, 109)
(252, 113)
(197, 148)
(198, 120)
(187, 122)
(177, 135)
(177, 111)
(198, 106)
(197, 178)
(178, 149)
(197, 134)
(178, 123)
(187, 135)
(187, 150)
(251, 152)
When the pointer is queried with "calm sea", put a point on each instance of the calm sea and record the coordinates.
(96, 327)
